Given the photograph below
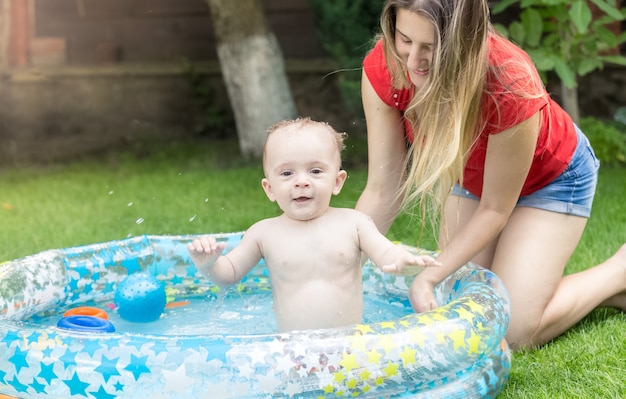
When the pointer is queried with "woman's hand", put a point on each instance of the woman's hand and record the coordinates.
(421, 294)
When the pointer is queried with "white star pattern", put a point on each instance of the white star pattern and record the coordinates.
(177, 380)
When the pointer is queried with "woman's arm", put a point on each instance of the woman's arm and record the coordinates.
(386, 155)
(509, 157)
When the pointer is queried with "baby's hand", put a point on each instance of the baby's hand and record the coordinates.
(205, 250)
(411, 265)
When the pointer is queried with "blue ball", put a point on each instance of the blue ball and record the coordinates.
(140, 298)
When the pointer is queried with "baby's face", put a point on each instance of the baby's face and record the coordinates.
(302, 170)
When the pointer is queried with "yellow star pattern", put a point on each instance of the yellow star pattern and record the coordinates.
(458, 338)
(466, 314)
(476, 308)
(364, 328)
(474, 342)
(391, 369)
(339, 377)
(388, 324)
(387, 343)
(349, 362)
(365, 375)
(359, 342)
(408, 356)
(418, 336)
(373, 356)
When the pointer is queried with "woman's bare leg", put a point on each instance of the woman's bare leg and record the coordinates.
(531, 255)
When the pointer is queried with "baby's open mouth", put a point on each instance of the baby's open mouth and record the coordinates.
(301, 199)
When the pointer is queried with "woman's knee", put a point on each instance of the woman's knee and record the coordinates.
(522, 336)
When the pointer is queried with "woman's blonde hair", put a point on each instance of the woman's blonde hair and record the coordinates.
(445, 113)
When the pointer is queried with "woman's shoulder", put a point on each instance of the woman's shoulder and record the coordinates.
(376, 69)
(510, 67)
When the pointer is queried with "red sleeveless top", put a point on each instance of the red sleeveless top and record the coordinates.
(501, 109)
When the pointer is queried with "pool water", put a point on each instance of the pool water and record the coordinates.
(231, 312)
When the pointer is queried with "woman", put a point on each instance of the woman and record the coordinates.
(504, 166)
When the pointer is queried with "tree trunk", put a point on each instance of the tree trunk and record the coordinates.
(253, 70)
(570, 101)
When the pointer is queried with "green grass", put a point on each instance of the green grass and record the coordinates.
(205, 187)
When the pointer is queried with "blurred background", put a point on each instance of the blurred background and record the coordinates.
(83, 76)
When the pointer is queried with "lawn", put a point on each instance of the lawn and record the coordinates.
(205, 187)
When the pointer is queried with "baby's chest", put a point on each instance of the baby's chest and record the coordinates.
(304, 250)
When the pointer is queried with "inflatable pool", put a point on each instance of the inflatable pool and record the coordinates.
(457, 350)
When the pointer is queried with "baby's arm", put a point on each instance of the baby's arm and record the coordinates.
(225, 270)
(389, 257)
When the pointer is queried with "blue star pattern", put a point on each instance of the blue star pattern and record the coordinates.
(455, 350)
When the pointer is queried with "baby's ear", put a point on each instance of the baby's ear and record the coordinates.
(342, 175)
(267, 187)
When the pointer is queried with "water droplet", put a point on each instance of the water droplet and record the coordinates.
(139, 221)
(206, 200)
(191, 219)
(130, 203)
(111, 192)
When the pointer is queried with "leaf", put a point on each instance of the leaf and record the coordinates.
(580, 14)
(501, 29)
(564, 72)
(517, 32)
(533, 25)
(530, 3)
(542, 62)
(553, 2)
(608, 9)
(606, 36)
(588, 65)
(614, 59)
(502, 5)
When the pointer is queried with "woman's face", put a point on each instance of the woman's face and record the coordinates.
(415, 40)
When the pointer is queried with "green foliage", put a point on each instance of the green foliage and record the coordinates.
(346, 29)
(214, 120)
(608, 140)
(562, 35)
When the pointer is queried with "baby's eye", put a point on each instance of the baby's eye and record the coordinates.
(316, 171)
(286, 173)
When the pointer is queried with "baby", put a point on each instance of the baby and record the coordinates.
(312, 250)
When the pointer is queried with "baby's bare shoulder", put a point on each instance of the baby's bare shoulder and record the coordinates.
(349, 212)
(261, 228)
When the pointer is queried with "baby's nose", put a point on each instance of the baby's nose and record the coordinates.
(302, 180)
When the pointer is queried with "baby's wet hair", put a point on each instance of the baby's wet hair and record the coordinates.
(340, 137)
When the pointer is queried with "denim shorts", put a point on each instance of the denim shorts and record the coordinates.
(571, 192)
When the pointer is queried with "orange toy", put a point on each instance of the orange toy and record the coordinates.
(87, 311)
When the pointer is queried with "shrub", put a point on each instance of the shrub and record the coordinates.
(346, 29)
(608, 140)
